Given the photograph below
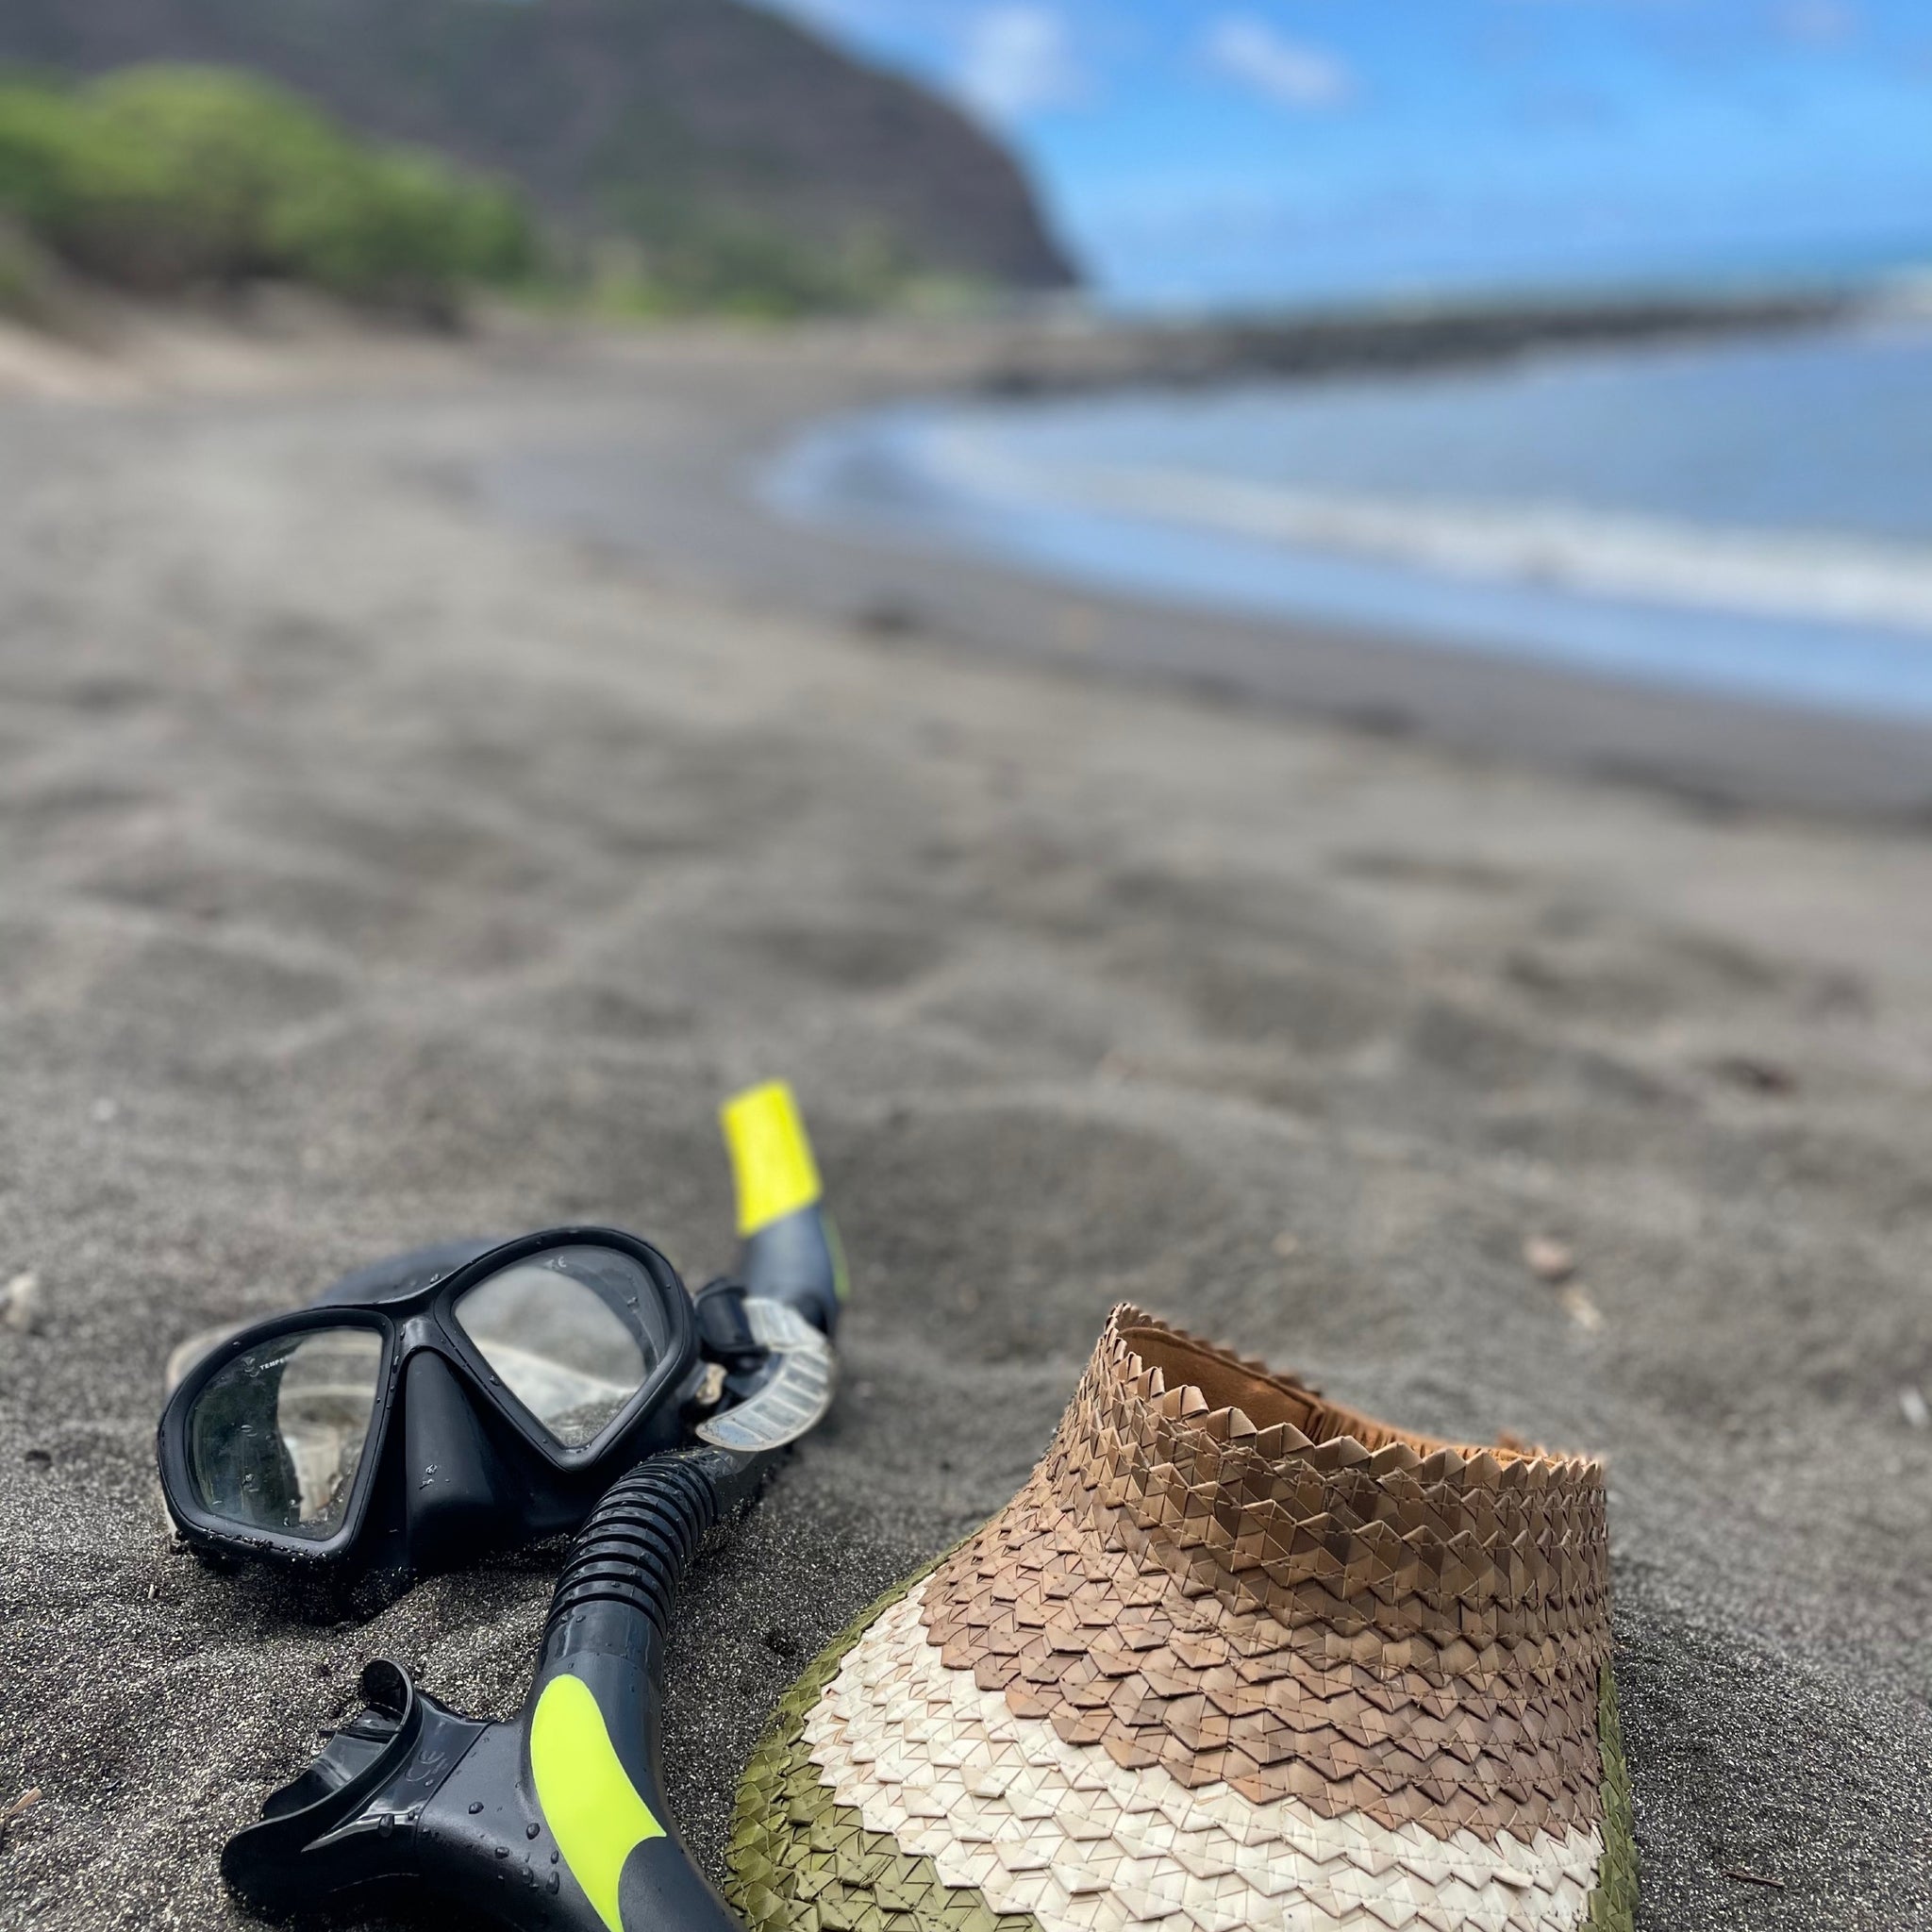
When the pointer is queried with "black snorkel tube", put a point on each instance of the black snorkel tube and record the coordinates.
(558, 1817)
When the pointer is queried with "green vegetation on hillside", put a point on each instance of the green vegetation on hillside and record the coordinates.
(25, 289)
(721, 261)
(171, 178)
(160, 180)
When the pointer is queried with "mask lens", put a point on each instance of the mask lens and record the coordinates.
(573, 1332)
(275, 1439)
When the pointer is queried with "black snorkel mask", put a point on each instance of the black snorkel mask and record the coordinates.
(476, 1396)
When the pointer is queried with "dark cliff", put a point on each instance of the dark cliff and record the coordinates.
(639, 116)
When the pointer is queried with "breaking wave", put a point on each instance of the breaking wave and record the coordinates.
(1750, 572)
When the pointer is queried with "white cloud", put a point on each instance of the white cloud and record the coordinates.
(1819, 22)
(1289, 72)
(1019, 58)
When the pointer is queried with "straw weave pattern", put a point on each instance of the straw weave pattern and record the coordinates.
(1416, 1634)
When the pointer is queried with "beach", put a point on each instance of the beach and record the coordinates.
(432, 784)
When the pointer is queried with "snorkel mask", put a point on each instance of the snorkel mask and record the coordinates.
(476, 1396)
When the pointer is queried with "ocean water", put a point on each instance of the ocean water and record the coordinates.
(1752, 515)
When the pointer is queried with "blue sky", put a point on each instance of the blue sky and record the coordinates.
(1195, 152)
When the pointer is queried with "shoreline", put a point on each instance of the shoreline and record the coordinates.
(680, 497)
(100, 344)
(670, 483)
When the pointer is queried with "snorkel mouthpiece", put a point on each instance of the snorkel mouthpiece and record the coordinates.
(337, 1824)
(556, 1819)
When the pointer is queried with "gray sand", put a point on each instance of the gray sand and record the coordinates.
(377, 870)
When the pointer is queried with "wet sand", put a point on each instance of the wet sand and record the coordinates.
(378, 867)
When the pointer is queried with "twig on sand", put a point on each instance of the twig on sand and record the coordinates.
(1745, 1878)
(1581, 1309)
(25, 1801)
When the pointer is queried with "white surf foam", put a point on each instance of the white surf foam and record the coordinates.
(1760, 573)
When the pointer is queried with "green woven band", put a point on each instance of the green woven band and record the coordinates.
(1613, 1904)
(801, 1862)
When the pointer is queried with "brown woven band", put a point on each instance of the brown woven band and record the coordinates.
(1216, 1571)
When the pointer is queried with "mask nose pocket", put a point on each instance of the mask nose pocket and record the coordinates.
(455, 1501)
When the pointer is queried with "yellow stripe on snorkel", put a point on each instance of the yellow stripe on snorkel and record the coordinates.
(592, 1809)
(771, 1159)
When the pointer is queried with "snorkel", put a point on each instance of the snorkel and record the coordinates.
(557, 1818)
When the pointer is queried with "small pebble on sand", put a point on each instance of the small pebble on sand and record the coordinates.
(22, 1302)
(1913, 1407)
(1548, 1259)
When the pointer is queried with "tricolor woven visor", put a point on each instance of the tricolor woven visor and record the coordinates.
(1234, 1657)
